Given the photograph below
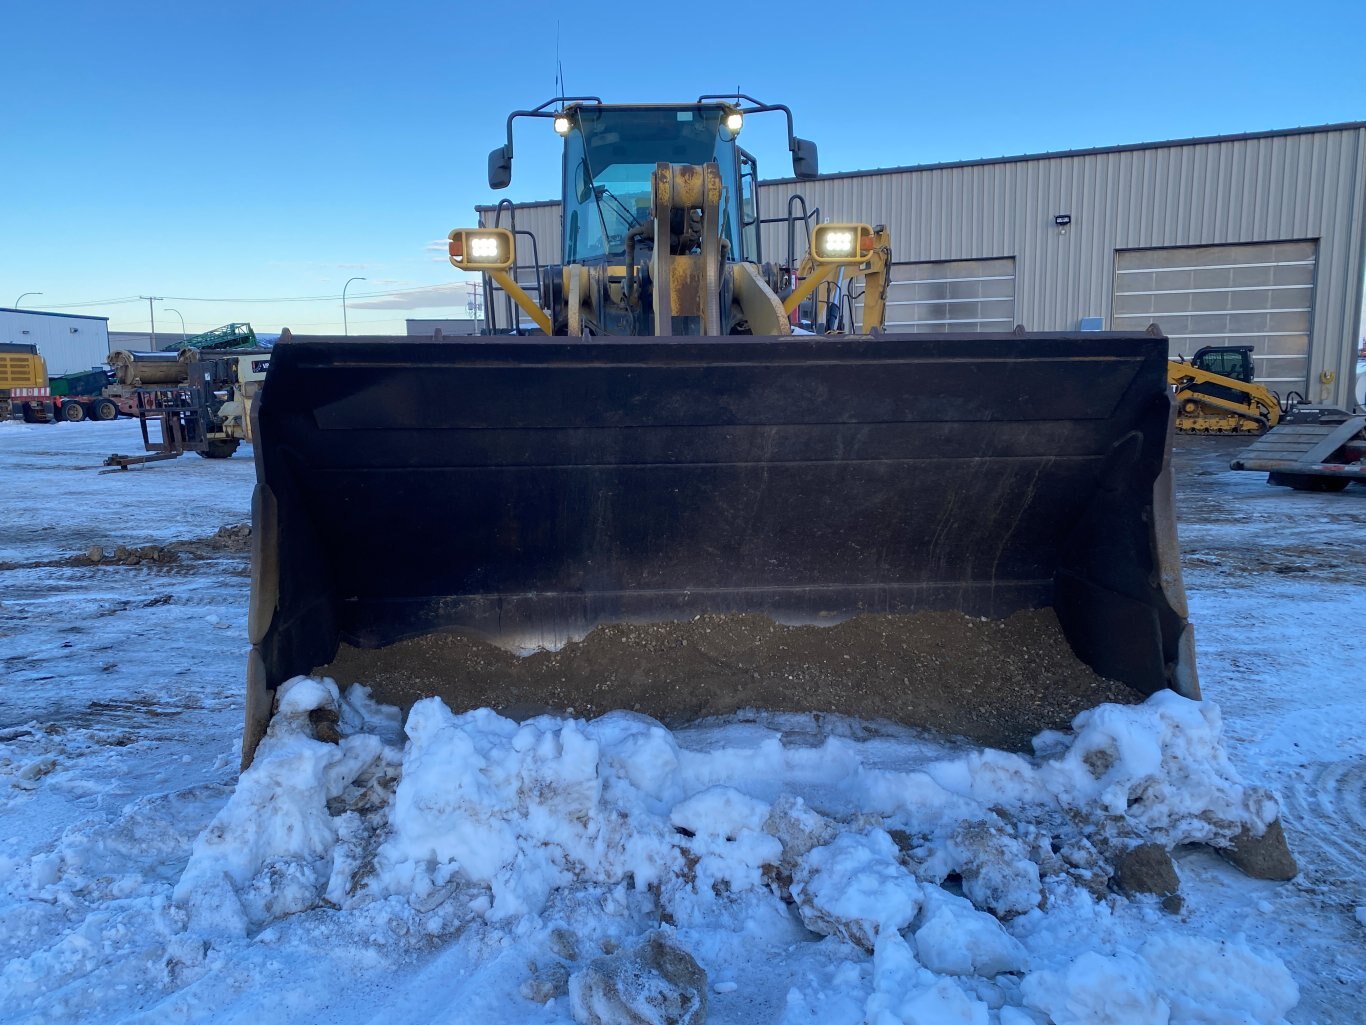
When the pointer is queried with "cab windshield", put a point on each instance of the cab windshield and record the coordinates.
(609, 157)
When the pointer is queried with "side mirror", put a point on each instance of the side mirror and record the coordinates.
(805, 163)
(500, 168)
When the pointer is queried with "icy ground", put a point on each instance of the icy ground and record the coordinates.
(816, 870)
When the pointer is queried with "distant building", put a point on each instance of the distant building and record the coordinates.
(68, 342)
(448, 327)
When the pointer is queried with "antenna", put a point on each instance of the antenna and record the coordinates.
(559, 68)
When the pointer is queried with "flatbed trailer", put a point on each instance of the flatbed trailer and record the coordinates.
(83, 396)
(1314, 449)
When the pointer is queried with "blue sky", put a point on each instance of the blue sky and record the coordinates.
(252, 151)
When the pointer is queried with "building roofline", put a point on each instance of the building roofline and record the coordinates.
(1131, 147)
(480, 208)
(45, 313)
(1203, 140)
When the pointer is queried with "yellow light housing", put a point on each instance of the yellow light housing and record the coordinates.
(841, 243)
(561, 125)
(478, 249)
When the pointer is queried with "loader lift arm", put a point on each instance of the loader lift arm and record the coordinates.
(814, 273)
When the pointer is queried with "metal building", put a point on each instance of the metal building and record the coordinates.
(425, 327)
(67, 342)
(1241, 239)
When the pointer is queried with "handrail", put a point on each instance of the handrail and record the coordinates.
(510, 308)
(514, 318)
(791, 220)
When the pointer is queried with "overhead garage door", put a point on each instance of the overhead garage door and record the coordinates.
(957, 295)
(1259, 295)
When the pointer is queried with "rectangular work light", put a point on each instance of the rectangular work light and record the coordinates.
(841, 243)
(482, 248)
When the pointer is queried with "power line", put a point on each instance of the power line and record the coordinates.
(95, 302)
(442, 286)
(445, 285)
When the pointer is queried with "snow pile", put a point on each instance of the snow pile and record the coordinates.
(515, 809)
(954, 938)
(936, 886)
(1157, 768)
(1176, 979)
(856, 888)
(276, 848)
(657, 983)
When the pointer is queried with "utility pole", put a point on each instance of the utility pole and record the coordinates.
(152, 299)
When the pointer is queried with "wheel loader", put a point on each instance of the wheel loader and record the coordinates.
(670, 497)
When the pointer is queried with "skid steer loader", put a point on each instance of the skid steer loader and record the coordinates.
(1215, 393)
(668, 498)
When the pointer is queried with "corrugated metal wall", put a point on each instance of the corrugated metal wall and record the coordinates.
(1307, 185)
(1288, 187)
(542, 221)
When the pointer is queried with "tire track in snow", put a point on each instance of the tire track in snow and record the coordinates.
(1328, 805)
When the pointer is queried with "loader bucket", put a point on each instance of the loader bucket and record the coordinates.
(424, 507)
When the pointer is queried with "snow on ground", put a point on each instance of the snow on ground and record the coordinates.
(816, 869)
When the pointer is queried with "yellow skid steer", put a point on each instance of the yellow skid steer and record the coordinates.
(1215, 393)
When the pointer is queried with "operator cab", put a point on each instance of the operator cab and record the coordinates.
(653, 194)
(611, 152)
(1233, 361)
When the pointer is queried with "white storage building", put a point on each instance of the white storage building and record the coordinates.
(68, 342)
